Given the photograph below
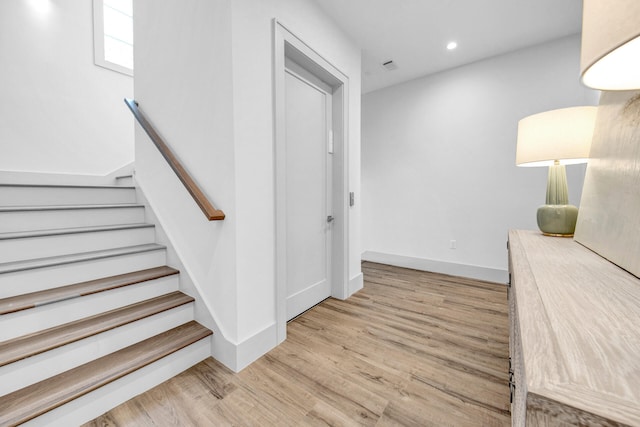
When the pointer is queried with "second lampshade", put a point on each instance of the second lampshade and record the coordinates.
(610, 55)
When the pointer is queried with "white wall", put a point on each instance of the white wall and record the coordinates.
(59, 112)
(254, 121)
(438, 159)
(204, 76)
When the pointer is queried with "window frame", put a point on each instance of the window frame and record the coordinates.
(98, 41)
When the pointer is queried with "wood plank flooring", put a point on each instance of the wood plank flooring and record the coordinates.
(412, 349)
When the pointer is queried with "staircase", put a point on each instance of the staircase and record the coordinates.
(90, 315)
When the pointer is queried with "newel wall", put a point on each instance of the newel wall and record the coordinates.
(204, 77)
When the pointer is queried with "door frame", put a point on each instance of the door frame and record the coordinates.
(288, 45)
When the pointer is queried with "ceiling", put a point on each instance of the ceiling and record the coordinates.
(414, 33)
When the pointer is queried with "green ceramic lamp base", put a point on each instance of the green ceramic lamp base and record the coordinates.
(557, 220)
(557, 217)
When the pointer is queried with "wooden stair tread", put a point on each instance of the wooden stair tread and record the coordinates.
(37, 399)
(69, 207)
(30, 264)
(35, 299)
(38, 342)
(75, 230)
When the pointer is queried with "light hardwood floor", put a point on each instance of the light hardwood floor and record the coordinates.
(412, 348)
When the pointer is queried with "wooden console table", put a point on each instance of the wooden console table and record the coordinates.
(574, 335)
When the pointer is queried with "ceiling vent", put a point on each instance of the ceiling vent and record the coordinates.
(390, 65)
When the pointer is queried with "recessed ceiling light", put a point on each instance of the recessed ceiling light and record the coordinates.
(452, 45)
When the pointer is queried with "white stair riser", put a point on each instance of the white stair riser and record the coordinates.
(51, 196)
(96, 403)
(40, 279)
(65, 244)
(49, 315)
(39, 367)
(25, 220)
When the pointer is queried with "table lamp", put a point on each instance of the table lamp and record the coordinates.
(556, 138)
(610, 54)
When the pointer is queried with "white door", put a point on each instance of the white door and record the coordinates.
(308, 198)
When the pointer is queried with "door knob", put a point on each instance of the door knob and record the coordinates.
(330, 218)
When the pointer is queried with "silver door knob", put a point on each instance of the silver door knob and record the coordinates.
(330, 218)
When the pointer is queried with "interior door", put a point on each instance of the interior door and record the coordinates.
(308, 198)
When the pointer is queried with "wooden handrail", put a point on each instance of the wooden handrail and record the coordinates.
(198, 195)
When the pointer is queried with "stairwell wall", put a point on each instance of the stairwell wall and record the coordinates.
(59, 112)
(183, 83)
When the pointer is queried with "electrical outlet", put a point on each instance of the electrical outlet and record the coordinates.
(452, 244)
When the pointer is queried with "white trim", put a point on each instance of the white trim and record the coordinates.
(256, 346)
(287, 44)
(98, 41)
(305, 76)
(356, 283)
(463, 270)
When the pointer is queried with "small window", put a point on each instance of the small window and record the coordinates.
(113, 34)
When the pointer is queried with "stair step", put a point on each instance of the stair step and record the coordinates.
(68, 207)
(22, 218)
(37, 195)
(30, 264)
(23, 245)
(49, 296)
(35, 275)
(37, 399)
(88, 407)
(68, 186)
(25, 322)
(36, 368)
(75, 230)
(48, 339)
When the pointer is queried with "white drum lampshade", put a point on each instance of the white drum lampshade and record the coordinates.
(563, 135)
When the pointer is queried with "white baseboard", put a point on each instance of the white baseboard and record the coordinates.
(223, 350)
(356, 283)
(238, 356)
(463, 270)
(256, 346)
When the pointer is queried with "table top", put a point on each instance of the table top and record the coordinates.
(579, 320)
